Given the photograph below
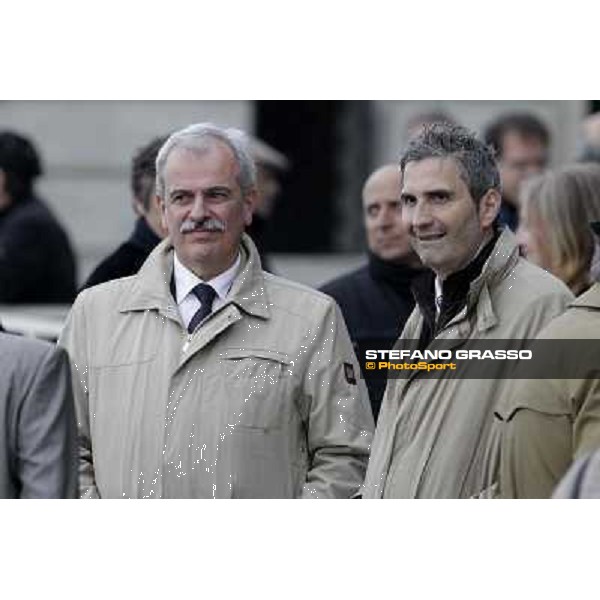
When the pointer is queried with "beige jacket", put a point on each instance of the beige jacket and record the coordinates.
(548, 423)
(262, 401)
(435, 437)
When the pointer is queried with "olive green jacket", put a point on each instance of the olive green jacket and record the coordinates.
(435, 436)
(262, 401)
(550, 422)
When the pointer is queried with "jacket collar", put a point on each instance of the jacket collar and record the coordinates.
(501, 260)
(397, 274)
(151, 286)
(589, 299)
(500, 263)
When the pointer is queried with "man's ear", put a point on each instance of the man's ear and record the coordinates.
(163, 210)
(250, 201)
(138, 207)
(154, 216)
(489, 207)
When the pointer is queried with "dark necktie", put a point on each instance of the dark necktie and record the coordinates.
(206, 294)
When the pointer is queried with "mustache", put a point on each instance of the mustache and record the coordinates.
(210, 224)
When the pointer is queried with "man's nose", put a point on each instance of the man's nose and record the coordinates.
(421, 215)
(384, 218)
(198, 210)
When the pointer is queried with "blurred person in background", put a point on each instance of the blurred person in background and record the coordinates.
(270, 166)
(590, 137)
(590, 153)
(521, 142)
(37, 265)
(148, 231)
(549, 423)
(376, 299)
(38, 448)
(555, 211)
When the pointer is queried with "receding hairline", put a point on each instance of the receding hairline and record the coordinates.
(200, 147)
(203, 136)
(446, 158)
(381, 174)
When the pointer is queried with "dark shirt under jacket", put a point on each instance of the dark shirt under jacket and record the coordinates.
(258, 231)
(127, 259)
(376, 300)
(454, 294)
(37, 265)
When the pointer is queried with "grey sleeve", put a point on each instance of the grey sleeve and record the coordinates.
(46, 447)
(582, 479)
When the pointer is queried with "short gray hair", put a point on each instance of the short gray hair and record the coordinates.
(199, 137)
(475, 159)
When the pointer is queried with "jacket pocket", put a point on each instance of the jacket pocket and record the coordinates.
(131, 342)
(256, 387)
(538, 395)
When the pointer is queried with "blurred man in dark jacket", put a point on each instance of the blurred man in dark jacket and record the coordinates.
(36, 260)
(148, 231)
(376, 299)
(521, 143)
(270, 167)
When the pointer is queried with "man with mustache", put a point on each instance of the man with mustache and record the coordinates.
(204, 376)
(435, 436)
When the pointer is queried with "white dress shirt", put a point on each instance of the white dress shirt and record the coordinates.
(185, 281)
(438, 297)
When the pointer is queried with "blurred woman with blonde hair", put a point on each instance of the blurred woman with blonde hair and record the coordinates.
(549, 422)
(554, 233)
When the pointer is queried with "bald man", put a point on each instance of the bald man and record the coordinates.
(376, 299)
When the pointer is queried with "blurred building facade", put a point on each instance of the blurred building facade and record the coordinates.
(332, 145)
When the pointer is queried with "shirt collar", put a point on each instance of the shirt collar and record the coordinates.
(439, 294)
(186, 280)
